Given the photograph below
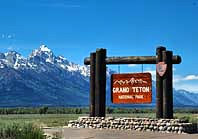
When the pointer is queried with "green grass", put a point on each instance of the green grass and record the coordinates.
(40, 120)
(192, 118)
(26, 126)
(20, 131)
(53, 120)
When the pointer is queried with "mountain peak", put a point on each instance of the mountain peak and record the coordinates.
(12, 53)
(44, 48)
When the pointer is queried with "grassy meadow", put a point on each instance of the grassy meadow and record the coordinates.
(53, 120)
(27, 123)
(52, 117)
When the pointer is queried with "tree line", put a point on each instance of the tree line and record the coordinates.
(84, 110)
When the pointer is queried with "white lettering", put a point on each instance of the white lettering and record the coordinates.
(120, 90)
(139, 96)
(126, 97)
(141, 89)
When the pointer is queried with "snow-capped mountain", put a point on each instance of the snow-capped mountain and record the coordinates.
(42, 79)
(46, 79)
(41, 59)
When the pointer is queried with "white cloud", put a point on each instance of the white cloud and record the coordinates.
(179, 78)
(132, 65)
(191, 77)
(187, 87)
(189, 82)
(7, 36)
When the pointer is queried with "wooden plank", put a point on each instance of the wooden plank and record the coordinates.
(131, 88)
(168, 86)
(134, 60)
(100, 83)
(92, 85)
(159, 85)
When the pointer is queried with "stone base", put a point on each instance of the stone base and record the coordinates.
(139, 124)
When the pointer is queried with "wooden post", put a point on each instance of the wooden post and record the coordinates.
(92, 85)
(159, 85)
(168, 86)
(100, 83)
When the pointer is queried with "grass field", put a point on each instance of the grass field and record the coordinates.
(52, 120)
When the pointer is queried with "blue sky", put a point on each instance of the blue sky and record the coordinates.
(74, 28)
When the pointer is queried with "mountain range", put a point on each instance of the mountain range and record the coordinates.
(43, 79)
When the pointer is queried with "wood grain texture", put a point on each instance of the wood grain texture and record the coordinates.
(100, 83)
(159, 85)
(134, 60)
(92, 85)
(168, 86)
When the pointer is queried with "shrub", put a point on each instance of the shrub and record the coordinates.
(20, 131)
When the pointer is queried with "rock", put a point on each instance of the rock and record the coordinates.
(139, 129)
(82, 117)
(126, 123)
(158, 124)
(82, 126)
(139, 124)
(151, 127)
(165, 127)
(179, 132)
(69, 125)
(169, 128)
(136, 126)
(161, 128)
(155, 127)
(163, 124)
(98, 126)
(95, 122)
(168, 124)
(148, 130)
(87, 122)
(181, 128)
(176, 128)
(110, 118)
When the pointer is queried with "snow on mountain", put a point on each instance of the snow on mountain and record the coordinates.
(45, 49)
(12, 59)
(43, 58)
(41, 79)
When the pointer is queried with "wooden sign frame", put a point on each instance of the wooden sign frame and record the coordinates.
(164, 84)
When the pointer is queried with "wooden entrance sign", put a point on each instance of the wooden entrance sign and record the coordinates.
(131, 88)
(137, 91)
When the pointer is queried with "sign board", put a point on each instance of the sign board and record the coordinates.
(131, 88)
(161, 68)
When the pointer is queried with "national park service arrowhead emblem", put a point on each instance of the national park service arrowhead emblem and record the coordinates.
(161, 68)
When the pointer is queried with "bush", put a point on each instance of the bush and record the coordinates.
(20, 131)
